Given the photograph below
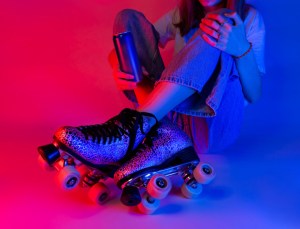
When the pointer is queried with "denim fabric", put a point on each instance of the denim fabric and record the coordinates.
(214, 134)
(218, 99)
(203, 68)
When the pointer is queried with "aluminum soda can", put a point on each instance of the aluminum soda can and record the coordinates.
(127, 55)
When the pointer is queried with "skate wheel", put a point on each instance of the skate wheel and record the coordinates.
(44, 164)
(191, 191)
(68, 177)
(148, 204)
(99, 193)
(131, 196)
(159, 186)
(204, 173)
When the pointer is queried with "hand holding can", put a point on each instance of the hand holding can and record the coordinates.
(127, 56)
(123, 80)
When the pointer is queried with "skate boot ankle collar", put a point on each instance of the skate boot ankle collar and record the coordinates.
(126, 123)
(135, 121)
(108, 142)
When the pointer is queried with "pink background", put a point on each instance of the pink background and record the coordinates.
(54, 72)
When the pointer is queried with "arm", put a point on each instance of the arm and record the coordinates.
(247, 64)
(250, 76)
(234, 40)
(166, 30)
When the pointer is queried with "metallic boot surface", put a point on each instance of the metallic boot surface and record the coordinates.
(165, 143)
(109, 142)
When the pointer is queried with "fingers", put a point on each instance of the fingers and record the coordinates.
(214, 32)
(122, 75)
(230, 19)
(209, 40)
(124, 80)
(211, 23)
(217, 22)
(221, 19)
(217, 43)
(125, 85)
(221, 30)
(208, 30)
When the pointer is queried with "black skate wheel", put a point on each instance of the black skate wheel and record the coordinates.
(131, 196)
(49, 153)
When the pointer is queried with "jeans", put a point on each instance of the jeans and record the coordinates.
(210, 72)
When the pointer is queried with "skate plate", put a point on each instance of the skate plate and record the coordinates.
(72, 172)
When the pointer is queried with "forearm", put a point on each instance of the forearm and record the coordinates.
(143, 89)
(249, 77)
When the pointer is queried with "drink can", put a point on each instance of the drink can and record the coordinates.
(127, 55)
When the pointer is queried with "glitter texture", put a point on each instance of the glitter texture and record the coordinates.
(104, 152)
(168, 141)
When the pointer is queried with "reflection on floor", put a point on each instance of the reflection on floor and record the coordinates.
(256, 187)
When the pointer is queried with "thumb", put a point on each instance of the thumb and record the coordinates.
(235, 17)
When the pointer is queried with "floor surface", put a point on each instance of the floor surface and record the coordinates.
(54, 72)
(256, 187)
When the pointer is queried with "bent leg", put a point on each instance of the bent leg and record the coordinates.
(145, 38)
(164, 98)
(188, 73)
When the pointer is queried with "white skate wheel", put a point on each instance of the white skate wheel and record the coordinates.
(191, 191)
(148, 204)
(68, 177)
(44, 165)
(204, 173)
(99, 193)
(159, 186)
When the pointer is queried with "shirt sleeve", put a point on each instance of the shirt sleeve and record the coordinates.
(166, 29)
(255, 32)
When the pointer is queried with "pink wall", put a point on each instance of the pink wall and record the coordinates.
(54, 71)
(53, 61)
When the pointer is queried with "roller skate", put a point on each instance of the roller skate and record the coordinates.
(88, 155)
(165, 151)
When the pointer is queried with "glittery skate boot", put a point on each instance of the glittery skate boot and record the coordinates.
(92, 153)
(166, 151)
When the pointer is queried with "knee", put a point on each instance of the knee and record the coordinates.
(126, 17)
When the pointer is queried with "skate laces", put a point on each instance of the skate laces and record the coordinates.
(148, 141)
(126, 123)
